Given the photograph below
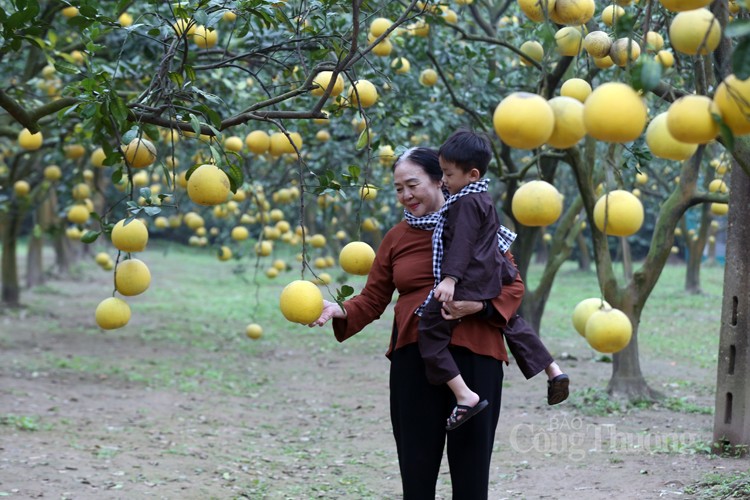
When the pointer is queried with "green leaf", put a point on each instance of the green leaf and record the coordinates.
(117, 176)
(90, 236)
(145, 192)
(152, 211)
(737, 29)
(725, 132)
(236, 177)
(65, 67)
(741, 59)
(362, 141)
(343, 293)
(195, 124)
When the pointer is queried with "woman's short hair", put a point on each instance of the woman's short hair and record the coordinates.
(426, 158)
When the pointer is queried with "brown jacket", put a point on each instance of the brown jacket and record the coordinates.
(404, 263)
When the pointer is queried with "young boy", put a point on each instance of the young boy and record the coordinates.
(469, 246)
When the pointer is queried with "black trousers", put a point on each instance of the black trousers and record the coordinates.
(418, 415)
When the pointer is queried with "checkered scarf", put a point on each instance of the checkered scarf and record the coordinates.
(436, 222)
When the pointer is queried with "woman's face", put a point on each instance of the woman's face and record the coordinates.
(419, 194)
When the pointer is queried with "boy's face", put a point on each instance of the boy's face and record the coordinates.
(454, 178)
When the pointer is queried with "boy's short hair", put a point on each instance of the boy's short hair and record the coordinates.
(467, 149)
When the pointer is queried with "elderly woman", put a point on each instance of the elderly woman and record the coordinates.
(418, 408)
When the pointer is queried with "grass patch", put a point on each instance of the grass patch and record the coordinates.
(23, 423)
(721, 486)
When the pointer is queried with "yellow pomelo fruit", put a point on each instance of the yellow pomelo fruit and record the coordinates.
(258, 141)
(583, 311)
(301, 302)
(97, 157)
(29, 141)
(719, 208)
(641, 178)
(695, 32)
(254, 331)
(357, 258)
(272, 272)
(609, 330)
(614, 112)
(569, 40)
(368, 193)
(536, 9)
(240, 233)
(524, 120)
(624, 51)
(537, 203)
(280, 265)
(74, 151)
(317, 241)
(264, 248)
(70, 11)
(663, 145)
(208, 185)
(577, 88)
(81, 191)
(689, 119)
(681, 5)
(52, 173)
(280, 143)
(229, 16)
(205, 38)
(78, 214)
(125, 20)
(112, 313)
(573, 12)
(665, 58)
(182, 24)
(654, 41)
(233, 143)
(383, 48)
(569, 127)
(401, 65)
(379, 26)
(597, 44)
(370, 225)
(732, 98)
(132, 277)
(717, 186)
(533, 51)
(21, 188)
(323, 79)
(225, 253)
(611, 13)
(623, 211)
(140, 153)
(366, 94)
(130, 237)
(603, 62)
(102, 258)
(428, 77)
(140, 179)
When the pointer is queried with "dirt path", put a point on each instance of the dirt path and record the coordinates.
(86, 414)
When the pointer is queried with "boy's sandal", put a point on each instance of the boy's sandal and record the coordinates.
(462, 413)
(557, 389)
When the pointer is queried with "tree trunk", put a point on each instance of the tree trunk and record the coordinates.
(693, 270)
(584, 258)
(732, 414)
(627, 378)
(627, 259)
(34, 262)
(11, 288)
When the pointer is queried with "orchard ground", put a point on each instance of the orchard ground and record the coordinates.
(180, 404)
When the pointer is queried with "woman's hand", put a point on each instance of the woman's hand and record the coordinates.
(330, 310)
(456, 309)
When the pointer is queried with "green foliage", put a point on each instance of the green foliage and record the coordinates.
(20, 422)
(721, 486)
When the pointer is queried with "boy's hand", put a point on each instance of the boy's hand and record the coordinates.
(444, 290)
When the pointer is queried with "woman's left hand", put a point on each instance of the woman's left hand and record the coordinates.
(456, 309)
